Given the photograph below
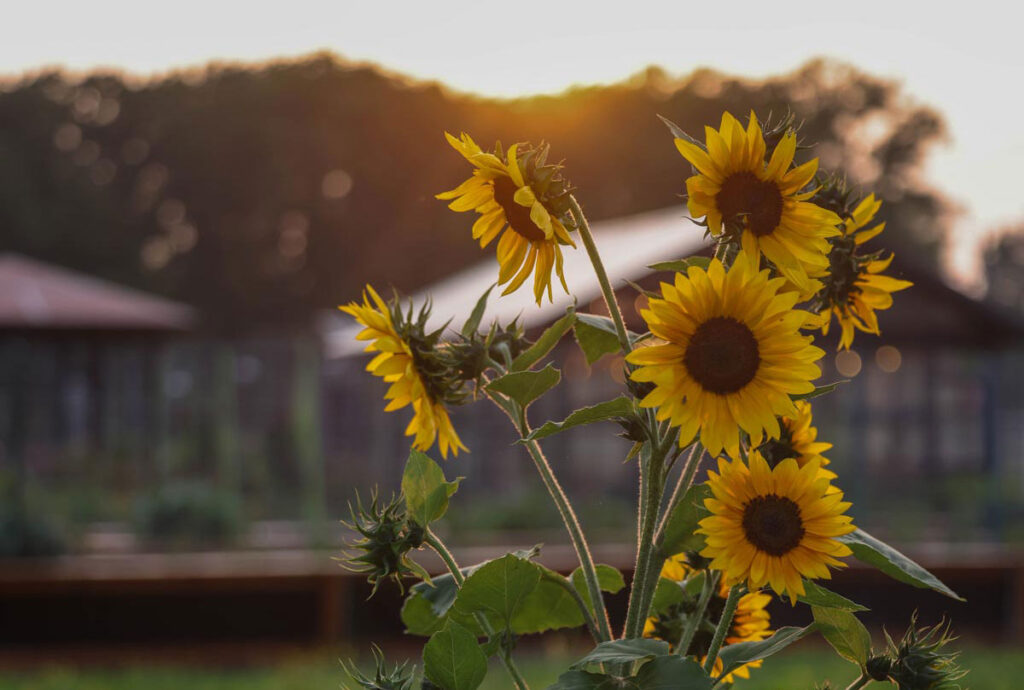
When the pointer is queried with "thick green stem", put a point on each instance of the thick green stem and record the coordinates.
(572, 525)
(602, 275)
(694, 621)
(568, 515)
(860, 682)
(453, 567)
(724, 623)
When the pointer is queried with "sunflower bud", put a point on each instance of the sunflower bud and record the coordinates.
(399, 677)
(919, 660)
(386, 538)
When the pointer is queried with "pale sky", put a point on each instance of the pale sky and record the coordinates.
(965, 61)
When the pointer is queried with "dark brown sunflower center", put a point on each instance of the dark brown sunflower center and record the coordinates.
(742, 194)
(772, 524)
(518, 216)
(722, 355)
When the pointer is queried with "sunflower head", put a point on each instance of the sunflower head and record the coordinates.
(524, 202)
(774, 526)
(855, 288)
(731, 354)
(762, 206)
(798, 440)
(411, 359)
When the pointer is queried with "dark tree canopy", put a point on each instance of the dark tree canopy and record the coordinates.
(263, 194)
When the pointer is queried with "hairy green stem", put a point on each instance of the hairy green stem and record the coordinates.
(724, 624)
(860, 682)
(588, 617)
(602, 275)
(694, 621)
(568, 515)
(441, 550)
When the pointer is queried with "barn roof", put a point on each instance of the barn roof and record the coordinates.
(36, 296)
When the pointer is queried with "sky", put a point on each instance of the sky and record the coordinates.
(951, 60)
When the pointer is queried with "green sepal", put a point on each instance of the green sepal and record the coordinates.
(473, 322)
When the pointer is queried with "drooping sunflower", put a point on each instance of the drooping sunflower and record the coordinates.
(760, 204)
(856, 288)
(732, 356)
(750, 623)
(525, 198)
(798, 440)
(773, 526)
(399, 363)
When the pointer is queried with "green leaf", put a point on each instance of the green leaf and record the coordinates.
(874, 552)
(548, 607)
(845, 633)
(526, 386)
(582, 680)
(609, 579)
(609, 409)
(547, 341)
(682, 265)
(428, 605)
(667, 593)
(819, 390)
(679, 530)
(735, 655)
(673, 673)
(473, 322)
(596, 336)
(499, 588)
(816, 595)
(623, 652)
(453, 660)
(419, 617)
(676, 130)
(426, 491)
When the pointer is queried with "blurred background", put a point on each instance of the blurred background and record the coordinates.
(186, 197)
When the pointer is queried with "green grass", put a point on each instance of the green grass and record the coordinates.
(992, 668)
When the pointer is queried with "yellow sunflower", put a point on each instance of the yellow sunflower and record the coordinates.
(798, 440)
(507, 201)
(750, 623)
(736, 191)
(856, 288)
(732, 356)
(396, 364)
(773, 526)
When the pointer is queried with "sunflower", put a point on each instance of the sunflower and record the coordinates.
(773, 526)
(798, 440)
(518, 196)
(856, 289)
(750, 623)
(397, 364)
(760, 205)
(732, 357)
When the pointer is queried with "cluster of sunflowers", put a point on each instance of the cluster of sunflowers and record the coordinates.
(727, 367)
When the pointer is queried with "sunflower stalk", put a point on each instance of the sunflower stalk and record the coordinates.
(723, 627)
(572, 524)
(693, 622)
(860, 682)
(602, 275)
(441, 550)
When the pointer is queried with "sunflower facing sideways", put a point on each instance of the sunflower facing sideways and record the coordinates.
(798, 440)
(401, 342)
(522, 202)
(761, 205)
(856, 288)
(750, 623)
(773, 526)
(732, 355)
